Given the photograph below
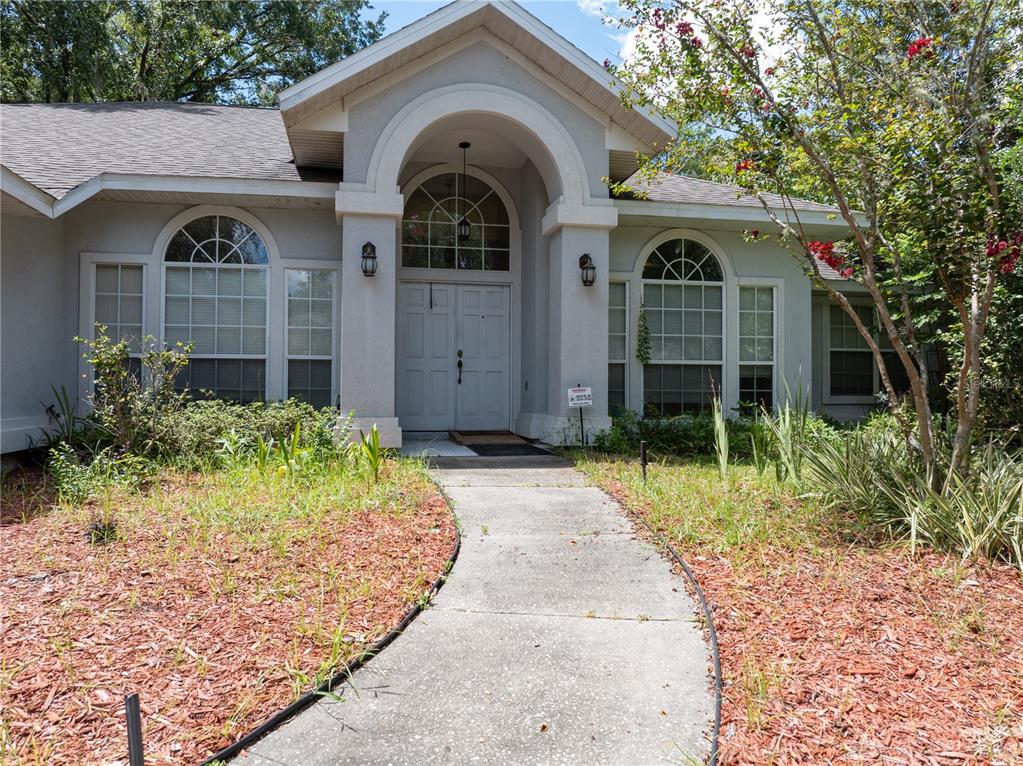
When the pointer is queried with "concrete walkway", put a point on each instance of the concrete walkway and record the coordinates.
(559, 638)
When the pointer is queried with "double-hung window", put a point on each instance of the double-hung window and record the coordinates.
(216, 274)
(683, 301)
(756, 345)
(617, 347)
(310, 338)
(117, 306)
(850, 361)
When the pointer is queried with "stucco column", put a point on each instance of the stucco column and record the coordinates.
(367, 325)
(577, 332)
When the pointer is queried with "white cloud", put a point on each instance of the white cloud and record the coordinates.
(627, 41)
(599, 8)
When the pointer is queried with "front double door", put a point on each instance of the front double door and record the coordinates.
(453, 360)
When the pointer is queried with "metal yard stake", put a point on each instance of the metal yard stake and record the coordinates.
(642, 458)
(134, 716)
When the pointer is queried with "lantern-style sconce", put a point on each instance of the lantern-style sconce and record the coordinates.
(463, 226)
(369, 259)
(588, 269)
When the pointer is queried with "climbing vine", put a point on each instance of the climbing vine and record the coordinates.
(643, 338)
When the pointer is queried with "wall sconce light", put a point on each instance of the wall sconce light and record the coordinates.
(369, 259)
(588, 269)
(463, 225)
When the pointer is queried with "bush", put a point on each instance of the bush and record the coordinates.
(684, 435)
(194, 434)
(872, 474)
(138, 411)
(130, 406)
(691, 435)
(79, 479)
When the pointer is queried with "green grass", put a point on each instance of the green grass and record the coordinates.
(285, 573)
(251, 509)
(686, 500)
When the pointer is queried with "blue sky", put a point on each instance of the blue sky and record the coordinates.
(579, 21)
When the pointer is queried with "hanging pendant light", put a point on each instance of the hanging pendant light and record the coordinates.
(464, 226)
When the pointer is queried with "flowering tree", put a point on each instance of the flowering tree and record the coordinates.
(904, 116)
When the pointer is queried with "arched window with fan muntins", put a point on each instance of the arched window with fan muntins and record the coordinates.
(683, 298)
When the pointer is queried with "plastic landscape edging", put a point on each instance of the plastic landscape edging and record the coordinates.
(711, 632)
(346, 672)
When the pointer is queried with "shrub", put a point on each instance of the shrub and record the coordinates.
(194, 434)
(681, 436)
(871, 474)
(130, 406)
(77, 480)
(693, 435)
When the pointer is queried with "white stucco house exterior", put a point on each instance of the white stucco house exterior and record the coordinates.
(243, 230)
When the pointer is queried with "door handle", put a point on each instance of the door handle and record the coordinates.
(459, 371)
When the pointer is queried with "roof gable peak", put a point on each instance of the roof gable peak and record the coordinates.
(508, 22)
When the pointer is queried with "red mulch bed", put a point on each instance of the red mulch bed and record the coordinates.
(203, 639)
(866, 655)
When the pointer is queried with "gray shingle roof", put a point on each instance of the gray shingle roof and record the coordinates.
(60, 146)
(685, 190)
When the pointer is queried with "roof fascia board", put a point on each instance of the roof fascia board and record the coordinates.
(186, 184)
(26, 192)
(740, 213)
(576, 57)
(373, 54)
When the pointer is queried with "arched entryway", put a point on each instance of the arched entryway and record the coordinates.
(459, 255)
(433, 293)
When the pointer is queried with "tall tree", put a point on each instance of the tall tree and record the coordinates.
(169, 50)
(904, 115)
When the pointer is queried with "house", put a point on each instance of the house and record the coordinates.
(422, 233)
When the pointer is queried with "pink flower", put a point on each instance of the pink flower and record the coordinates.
(825, 252)
(607, 63)
(743, 166)
(769, 71)
(696, 42)
(684, 29)
(918, 46)
(747, 51)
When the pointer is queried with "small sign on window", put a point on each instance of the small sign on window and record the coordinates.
(580, 396)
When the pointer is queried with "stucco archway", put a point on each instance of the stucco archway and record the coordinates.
(554, 152)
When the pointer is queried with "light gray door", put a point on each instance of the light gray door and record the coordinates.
(426, 356)
(454, 359)
(482, 348)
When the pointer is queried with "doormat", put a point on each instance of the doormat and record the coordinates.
(507, 450)
(469, 438)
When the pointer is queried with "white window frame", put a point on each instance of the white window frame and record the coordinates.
(778, 286)
(828, 397)
(625, 282)
(275, 367)
(87, 305)
(335, 359)
(729, 385)
(723, 286)
(418, 183)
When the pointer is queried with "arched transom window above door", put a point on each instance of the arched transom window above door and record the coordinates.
(430, 233)
(683, 299)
